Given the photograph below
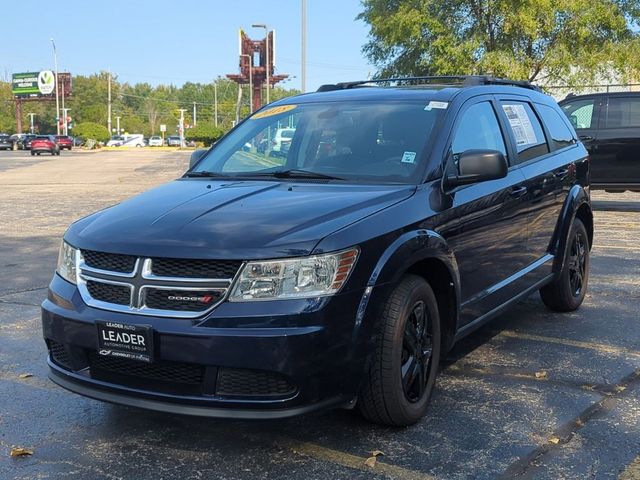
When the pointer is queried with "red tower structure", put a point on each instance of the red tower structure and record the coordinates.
(253, 65)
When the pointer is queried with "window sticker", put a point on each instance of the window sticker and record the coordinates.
(408, 157)
(433, 104)
(520, 124)
(269, 112)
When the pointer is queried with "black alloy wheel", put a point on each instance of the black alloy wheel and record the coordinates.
(402, 371)
(567, 291)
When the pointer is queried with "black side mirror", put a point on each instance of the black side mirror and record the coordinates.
(196, 156)
(477, 166)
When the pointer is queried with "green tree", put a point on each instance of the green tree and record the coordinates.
(204, 132)
(545, 40)
(92, 130)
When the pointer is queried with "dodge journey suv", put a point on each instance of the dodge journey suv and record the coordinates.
(404, 215)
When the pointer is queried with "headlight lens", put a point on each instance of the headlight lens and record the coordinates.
(67, 262)
(314, 276)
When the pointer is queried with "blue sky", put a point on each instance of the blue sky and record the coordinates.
(164, 41)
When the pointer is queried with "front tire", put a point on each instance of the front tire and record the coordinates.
(404, 366)
(566, 293)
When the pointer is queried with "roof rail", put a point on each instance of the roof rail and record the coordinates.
(440, 81)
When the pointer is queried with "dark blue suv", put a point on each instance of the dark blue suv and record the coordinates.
(403, 215)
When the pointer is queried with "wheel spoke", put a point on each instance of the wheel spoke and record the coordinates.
(418, 314)
(408, 374)
(411, 340)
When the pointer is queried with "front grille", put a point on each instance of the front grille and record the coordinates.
(163, 370)
(113, 262)
(59, 354)
(181, 300)
(242, 382)
(177, 267)
(107, 292)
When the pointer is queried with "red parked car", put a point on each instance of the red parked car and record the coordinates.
(64, 141)
(45, 143)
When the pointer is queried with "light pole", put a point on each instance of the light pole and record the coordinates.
(66, 124)
(118, 124)
(303, 37)
(266, 30)
(182, 110)
(31, 128)
(195, 117)
(215, 103)
(250, 80)
(55, 64)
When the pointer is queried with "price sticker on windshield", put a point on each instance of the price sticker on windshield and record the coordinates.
(269, 112)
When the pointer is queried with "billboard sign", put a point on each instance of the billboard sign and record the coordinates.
(39, 84)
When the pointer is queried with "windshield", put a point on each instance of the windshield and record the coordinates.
(361, 141)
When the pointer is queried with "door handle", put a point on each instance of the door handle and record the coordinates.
(585, 138)
(518, 191)
(561, 173)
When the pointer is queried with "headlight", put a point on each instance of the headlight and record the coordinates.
(67, 262)
(314, 276)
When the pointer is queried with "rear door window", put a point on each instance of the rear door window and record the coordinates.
(623, 112)
(526, 129)
(580, 113)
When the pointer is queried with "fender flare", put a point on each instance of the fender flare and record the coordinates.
(576, 198)
(408, 249)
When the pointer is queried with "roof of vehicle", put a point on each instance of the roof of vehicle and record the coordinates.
(573, 96)
(416, 88)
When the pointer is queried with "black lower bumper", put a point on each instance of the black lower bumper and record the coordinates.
(99, 391)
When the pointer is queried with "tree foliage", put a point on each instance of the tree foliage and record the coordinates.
(568, 41)
(207, 133)
(87, 130)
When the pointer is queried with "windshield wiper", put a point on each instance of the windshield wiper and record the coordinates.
(205, 174)
(294, 173)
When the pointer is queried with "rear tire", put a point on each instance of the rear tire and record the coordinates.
(566, 293)
(404, 366)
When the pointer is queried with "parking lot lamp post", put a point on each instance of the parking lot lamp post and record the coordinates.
(266, 31)
(55, 65)
(31, 128)
(250, 80)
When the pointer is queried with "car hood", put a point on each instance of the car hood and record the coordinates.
(198, 218)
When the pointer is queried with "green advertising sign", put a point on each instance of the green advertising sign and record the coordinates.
(33, 84)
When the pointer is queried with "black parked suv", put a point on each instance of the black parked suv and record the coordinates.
(609, 126)
(261, 286)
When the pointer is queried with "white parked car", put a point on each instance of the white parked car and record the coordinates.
(127, 140)
(155, 141)
(283, 136)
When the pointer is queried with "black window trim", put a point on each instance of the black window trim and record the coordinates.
(597, 119)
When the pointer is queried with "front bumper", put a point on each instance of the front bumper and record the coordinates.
(306, 348)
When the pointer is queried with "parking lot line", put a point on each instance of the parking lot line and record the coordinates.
(632, 472)
(598, 347)
(356, 462)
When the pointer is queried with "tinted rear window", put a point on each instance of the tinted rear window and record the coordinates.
(623, 112)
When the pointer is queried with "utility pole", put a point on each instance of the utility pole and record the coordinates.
(195, 115)
(266, 29)
(118, 124)
(55, 64)
(238, 104)
(182, 110)
(215, 103)
(66, 124)
(303, 60)
(250, 79)
(109, 104)
(64, 113)
(32, 129)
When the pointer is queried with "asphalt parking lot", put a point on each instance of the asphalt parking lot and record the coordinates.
(534, 394)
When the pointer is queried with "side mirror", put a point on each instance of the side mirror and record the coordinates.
(196, 156)
(478, 166)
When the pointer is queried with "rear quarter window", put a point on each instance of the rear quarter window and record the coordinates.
(561, 135)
